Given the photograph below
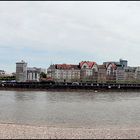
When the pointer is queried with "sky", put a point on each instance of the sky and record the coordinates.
(54, 32)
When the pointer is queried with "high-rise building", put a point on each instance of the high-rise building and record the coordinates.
(21, 71)
(123, 63)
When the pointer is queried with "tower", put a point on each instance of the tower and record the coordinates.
(21, 71)
(123, 62)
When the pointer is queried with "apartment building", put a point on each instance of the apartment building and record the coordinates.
(130, 74)
(120, 74)
(64, 72)
(89, 71)
(101, 74)
(115, 71)
(137, 74)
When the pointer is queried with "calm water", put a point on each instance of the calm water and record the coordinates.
(70, 108)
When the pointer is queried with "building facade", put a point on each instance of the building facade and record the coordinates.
(123, 63)
(101, 74)
(89, 71)
(24, 73)
(64, 72)
(120, 75)
(110, 71)
(33, 74)
(137, 74)
(21, 71)
(115, 71)
(130, 75)
(85, 71)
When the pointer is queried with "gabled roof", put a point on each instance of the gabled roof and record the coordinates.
(114, 66)
(89, 63)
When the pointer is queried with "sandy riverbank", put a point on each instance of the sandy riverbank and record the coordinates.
(15, 131)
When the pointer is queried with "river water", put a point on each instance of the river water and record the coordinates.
(70, 108)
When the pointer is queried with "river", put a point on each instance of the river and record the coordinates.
(74, 109)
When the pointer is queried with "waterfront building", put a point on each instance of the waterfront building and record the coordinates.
(123, 63)
(33, 73)
(24, 73)
(51, 72)
(89, 71)
(137, 74)
(21, 71)
(101, 74)
(115, 70)
(120, 72)
(129, 75)
(64, 72)
(110, 71)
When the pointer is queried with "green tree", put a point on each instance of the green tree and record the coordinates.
(43, 75)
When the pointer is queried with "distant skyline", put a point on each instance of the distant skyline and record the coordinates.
(45, 32)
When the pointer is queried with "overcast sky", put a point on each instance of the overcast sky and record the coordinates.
(45, 32)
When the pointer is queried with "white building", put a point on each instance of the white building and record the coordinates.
(24, 73)
(33, 74)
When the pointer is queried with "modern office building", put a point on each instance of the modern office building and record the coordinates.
(21, 71)
(123, 62)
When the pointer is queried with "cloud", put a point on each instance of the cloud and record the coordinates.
(40, 32)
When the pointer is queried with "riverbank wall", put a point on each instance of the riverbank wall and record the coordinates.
(69, 87)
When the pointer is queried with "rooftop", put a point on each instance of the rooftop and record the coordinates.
(89, 63)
